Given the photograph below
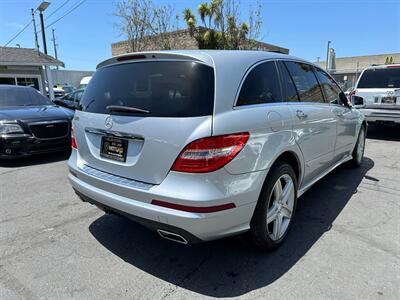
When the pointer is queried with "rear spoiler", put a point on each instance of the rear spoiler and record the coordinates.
(148, 56)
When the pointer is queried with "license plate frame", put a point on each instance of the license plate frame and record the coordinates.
(114, 148)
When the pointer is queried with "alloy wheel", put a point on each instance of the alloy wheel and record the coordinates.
(280, 208)
(361, 146)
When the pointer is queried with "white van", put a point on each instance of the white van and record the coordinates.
(84, 82)
(377, 94)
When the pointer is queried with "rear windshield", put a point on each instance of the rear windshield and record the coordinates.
(164, 88)
(380, 78)
(16, 96)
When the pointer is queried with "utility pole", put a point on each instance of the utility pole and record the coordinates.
(34, 30)
(327, 55)
(54, 44)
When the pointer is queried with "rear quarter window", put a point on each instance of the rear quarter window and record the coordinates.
(165, 88)
(261, 86)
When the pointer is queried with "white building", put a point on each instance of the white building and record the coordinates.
(24, 66)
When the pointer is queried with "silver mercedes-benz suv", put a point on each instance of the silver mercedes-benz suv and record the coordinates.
(200, 145)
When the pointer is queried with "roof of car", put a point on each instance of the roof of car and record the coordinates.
(383, 66)
(210, 57)
(14, 86)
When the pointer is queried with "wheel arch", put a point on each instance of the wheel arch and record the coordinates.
(292, 159)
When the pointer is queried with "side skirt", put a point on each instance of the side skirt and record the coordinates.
(305, 188)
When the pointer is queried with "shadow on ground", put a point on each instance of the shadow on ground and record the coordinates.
(34, 160)
(231, 267)
(383, 132)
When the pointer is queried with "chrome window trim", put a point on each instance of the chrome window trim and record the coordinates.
(113, 133)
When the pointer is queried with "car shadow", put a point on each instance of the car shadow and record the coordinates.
(37, 159)
(231, 267)
(383, 132)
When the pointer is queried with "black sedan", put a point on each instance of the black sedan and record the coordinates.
(30, 123)
(70, 100)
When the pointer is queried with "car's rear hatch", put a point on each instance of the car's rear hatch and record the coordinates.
(165, 105)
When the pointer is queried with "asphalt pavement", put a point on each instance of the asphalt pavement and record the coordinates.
(345, 242)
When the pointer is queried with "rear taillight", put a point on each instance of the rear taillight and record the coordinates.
(352, 93)
(73, 141)
(210, 154)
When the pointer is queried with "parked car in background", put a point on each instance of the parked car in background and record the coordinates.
(30, 123)
(200, 145)
(84, 82)
(377, 94)
(65, 87)
(58, 92)
(71, 100)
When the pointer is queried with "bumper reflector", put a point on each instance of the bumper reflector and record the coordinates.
(194, 209)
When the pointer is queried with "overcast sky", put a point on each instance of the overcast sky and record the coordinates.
(85, 35)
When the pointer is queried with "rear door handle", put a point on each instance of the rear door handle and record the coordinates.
(301, 115)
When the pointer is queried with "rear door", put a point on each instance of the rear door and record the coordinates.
(179, 98)
(314, 121)
(346, 120)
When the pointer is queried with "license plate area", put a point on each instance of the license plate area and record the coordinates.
(388, 100)
(114, 148)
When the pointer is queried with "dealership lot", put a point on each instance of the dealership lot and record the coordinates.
(345, 243)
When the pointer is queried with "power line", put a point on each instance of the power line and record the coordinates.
(57, 9)
(67, 13)
(19, 32)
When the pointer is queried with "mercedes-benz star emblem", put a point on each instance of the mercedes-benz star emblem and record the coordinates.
(108, 122)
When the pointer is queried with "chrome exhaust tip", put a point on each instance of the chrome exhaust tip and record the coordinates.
(172, 236)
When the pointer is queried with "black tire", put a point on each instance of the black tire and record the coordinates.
(357, 159)
(259, 231)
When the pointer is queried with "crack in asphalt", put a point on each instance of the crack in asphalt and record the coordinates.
(188, 276)
(39, 233)
(12, 283)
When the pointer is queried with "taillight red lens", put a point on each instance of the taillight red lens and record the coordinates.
(73, 141)
(210, 154)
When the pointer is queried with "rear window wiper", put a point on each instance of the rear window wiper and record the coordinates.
(126, 109)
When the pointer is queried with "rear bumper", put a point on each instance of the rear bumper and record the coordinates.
(14, 147)
(381, 115)
(197, 190)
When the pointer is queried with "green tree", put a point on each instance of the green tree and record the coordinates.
(220, 26)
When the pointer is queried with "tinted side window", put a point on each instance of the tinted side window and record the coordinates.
(305, 81)
(261, 86)
(288, 87)
(329, 87)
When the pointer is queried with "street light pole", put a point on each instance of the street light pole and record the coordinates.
(43, 32)
(42, 7)
(327, 55)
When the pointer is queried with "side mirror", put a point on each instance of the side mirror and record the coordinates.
(343, 100)
(57, 102)
(358, 101)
